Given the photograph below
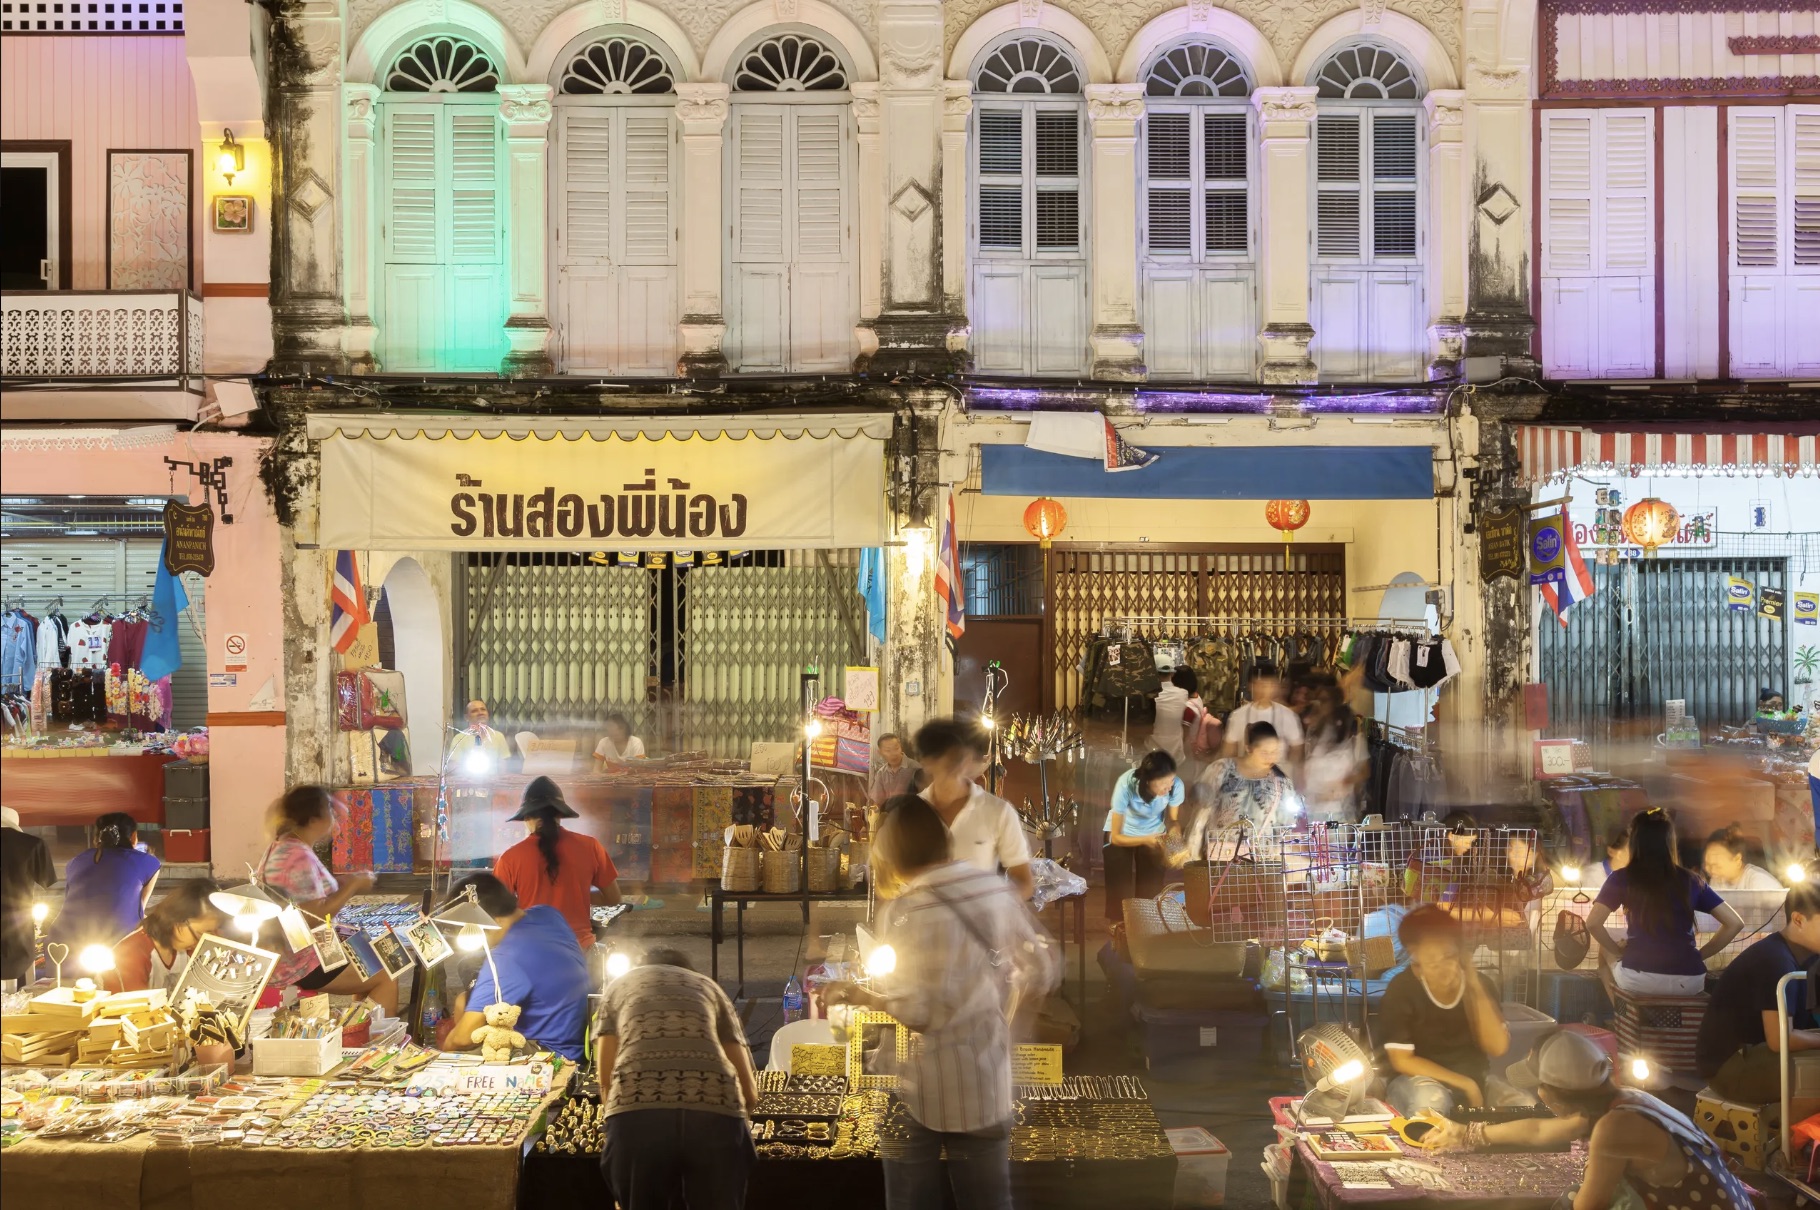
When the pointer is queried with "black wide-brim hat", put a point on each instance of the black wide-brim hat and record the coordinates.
(544, 795)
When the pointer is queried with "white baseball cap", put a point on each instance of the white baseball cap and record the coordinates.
(9, 818)
(1563, 1059)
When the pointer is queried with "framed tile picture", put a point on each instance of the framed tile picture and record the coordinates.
(234, 213)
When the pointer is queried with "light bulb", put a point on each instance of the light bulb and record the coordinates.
(40, 911)
(248, 922)
(476, 762)
(470, 938)
(1571, 874)
(224, 164)
(812, 728)
(618, 964)
(987, 722)
(1639, 1069)
(1796, 872)
(881, 961)
(1347, 1072)
(96, 958)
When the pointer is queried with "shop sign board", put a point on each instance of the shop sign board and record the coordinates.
(1547, 550)
(189, 538)
(1036, 1064)
(1501, 544)
(618, 492)
(484, 1078)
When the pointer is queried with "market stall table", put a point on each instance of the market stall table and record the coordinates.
(719, 897)
(1529, 1180)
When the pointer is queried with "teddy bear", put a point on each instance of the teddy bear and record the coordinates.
(497, 1039)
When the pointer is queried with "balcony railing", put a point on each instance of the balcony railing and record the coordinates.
(119, 338)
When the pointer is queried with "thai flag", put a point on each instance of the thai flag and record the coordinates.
(347, 603)
(947, 572)
(1578, 584)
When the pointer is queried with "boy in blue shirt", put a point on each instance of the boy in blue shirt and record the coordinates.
(541, 969)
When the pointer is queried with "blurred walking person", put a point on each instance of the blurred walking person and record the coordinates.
(967, 954)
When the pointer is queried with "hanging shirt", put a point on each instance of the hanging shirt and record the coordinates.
(88, 644)
(50, 643)
(18, 651)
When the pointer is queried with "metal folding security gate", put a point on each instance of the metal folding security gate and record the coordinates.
(697, 655)
(1660, 629)
(1088, 586)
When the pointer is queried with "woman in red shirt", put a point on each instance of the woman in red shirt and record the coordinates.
(566, 870)
(146, 956)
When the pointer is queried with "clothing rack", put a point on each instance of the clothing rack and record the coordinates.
(1129, 623)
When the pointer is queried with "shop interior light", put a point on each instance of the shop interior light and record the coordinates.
(466, 914)
(1639, 1069)
(881, 961)
(96, 959)
(1571, 874)
(812, 728)
(470, 938)
(618, 963)
(1796, 872)
(477, 763)
(40, 911)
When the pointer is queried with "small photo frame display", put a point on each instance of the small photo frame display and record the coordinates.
(393, 954)
(326, 942)
(234, 213)
(362, 956)
(227, 974)
(427, 942)
(296, 929)
(877, 1049)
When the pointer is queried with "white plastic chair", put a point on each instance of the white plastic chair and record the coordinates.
(807, 1032)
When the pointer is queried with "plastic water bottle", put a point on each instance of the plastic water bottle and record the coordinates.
(793, 1001)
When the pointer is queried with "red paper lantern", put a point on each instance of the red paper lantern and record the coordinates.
(1045, 518)
(1287, 516)
(1651, 523)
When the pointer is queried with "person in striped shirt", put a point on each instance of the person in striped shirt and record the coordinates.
(968, 953)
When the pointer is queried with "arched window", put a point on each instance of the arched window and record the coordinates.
(791, 304)
(613, 211)
(1199, 268)
(441, 284)
(1029, 299)
(1368, 310)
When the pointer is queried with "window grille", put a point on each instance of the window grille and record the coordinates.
(617, 67)
(1367, 73)
(1197, 70)
(1028, 65)
(442, 64)
(790, 63)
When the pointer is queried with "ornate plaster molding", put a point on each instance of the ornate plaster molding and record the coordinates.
(525, 104)
(701, 103)
(1115, 102)
(1284, 104)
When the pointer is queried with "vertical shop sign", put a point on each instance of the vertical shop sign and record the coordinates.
(189, 538)
(1740, 597)
(1807, 608)
(1770, 604)
(1501, 544)
(1548, 549)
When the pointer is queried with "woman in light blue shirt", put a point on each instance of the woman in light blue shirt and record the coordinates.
(1146, 806)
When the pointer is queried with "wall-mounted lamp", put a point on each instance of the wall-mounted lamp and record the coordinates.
(232, 158)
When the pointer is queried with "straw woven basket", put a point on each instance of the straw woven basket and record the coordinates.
(783, 872)
(740, 869)
(824, 871)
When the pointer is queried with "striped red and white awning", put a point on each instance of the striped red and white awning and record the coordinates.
(1555, 451)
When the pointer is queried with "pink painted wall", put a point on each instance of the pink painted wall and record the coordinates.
(126, 93)
(246, 768)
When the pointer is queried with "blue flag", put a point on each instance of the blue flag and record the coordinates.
(872, 588)
(163, 655)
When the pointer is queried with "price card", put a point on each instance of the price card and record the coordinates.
(1036, 1064)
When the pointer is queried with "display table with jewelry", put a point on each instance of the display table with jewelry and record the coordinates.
(819, 1139)
(360, 1136)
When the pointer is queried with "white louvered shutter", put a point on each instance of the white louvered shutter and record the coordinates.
(649, 229)
(1225, 160)
(409, 225)
(1393, 185)
(1567, 174)
(475, 234)
(1058, 186)
(1169, 176)
(1756, 145)
(1338, 226)
(1000, 206)
(819, 213)
(585, 231)
(1804, 209)
(1627, 241)
(762, 188)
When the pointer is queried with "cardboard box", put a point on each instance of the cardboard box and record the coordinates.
(1749, 1132)
(297, 1056)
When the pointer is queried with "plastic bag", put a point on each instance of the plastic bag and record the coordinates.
(1053, 882)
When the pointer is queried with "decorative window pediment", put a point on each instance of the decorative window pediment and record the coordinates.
(617, 67)
(442, 64)
(790, 63)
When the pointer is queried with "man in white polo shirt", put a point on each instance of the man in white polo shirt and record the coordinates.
(985, 828)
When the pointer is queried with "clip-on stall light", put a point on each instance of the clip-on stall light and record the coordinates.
(472, 924)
